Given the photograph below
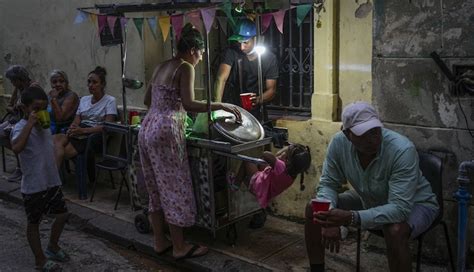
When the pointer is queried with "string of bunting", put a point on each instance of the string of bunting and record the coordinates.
(200, 18)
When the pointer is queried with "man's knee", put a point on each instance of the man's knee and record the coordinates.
(398, 231)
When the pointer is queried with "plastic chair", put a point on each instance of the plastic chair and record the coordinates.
(432, 168)
(114, 162)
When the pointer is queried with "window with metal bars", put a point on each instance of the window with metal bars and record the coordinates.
(294, 50)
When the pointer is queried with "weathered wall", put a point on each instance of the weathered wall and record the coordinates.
(41, 35)
(411, 93)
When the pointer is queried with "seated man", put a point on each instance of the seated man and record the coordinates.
(389, 192)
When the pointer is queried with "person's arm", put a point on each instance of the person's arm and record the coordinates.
(186, 87)
(269, 158)
(221, 79)
(332, 177)
(268, 93)
(64, 112)
(19, 142)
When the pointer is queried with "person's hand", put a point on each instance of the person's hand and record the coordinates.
(75, 130)
(330, 238)
(254, 99)
(54, 93)
(32, 119)
(332, 218)
(235, 111)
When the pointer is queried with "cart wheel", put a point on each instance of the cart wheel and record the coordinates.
(231, 234)
(141, 223)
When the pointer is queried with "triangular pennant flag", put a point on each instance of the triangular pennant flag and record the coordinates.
(208, 18)
(139, 25)
(123, 22)
(102, 20)
(93, 18)
(164, 26)
(152, 24)
(266, 20)
(301, 12)
(194, 17)
(227, 8)
(80, 17)
(223, 23)
(111, 23)
(279, 18)
(177, 23)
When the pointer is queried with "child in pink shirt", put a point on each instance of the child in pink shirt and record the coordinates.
(279, 174)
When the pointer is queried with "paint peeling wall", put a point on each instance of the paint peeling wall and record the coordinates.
(411, 93)
(41, 35)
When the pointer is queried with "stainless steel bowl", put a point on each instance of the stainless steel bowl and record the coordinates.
(249, 130)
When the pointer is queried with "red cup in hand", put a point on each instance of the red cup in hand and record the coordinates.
(246, 101)
(320, 204)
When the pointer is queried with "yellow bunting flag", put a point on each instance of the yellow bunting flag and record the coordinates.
(165, 24)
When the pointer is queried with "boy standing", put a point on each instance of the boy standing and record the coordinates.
(40, 184)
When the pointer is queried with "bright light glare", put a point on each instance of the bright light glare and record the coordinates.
(260, 49)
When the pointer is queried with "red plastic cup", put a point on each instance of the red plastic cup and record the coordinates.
(245, 100)
(320, 204)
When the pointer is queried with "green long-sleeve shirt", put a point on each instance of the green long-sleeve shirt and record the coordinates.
(388, 187)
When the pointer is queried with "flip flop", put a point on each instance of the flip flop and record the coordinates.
(190, 254)
(49, 266)
(59, 256)
(164, 251)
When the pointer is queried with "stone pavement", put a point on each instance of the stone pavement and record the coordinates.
(278, 246)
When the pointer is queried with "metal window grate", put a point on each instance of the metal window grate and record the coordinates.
(294, 50)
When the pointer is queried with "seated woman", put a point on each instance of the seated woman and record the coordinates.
(93, 110)
(62, 102)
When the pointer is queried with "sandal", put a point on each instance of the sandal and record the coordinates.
(60, 255)
(49, 266)
(164, 251)
(190, 254)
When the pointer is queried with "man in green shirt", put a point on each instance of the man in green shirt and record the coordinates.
(389, 192)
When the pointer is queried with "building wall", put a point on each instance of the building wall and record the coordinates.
(411, 93)
(41, 35)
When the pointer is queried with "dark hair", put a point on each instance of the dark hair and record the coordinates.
(101, 73)
(298, 162)
(18, 72)
(190, 38)
(31, 94)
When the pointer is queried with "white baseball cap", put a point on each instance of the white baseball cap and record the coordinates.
(360, 117)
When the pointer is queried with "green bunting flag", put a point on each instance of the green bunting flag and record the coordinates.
(139, 25)
(301, 12)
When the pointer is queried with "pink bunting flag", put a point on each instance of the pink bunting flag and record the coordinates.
(102, 20)
(223, 23)
(177, 23)
(266, 21)
(111, 23)
(279, 18)
(194, 17)
(208, 18)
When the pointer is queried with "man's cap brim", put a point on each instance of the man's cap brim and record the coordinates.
(366, 126)
(240, 38)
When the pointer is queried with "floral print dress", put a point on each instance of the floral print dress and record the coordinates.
(164, 159)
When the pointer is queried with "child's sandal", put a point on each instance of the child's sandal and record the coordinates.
(59, 256)
(49, 266)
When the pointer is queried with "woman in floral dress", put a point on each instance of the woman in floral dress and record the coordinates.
(162, 145)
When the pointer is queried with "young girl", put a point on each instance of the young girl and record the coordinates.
(279, 174)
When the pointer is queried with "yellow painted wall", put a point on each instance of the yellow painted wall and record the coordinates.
(343, 55)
